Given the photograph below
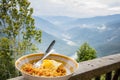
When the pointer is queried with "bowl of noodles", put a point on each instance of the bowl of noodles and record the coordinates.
(54, 67)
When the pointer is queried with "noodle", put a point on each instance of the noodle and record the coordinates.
(46, 69)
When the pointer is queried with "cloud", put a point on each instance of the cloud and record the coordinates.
(115, 9)
(71, 43)
(75, 8)
(74, 56)
(102, 28)
(112, 38)
(87, 26)
(66, 36)
(57, 1)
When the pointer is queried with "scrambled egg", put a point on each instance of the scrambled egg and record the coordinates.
(51, 64)
(48, 68)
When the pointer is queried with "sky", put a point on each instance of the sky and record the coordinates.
(75, 8)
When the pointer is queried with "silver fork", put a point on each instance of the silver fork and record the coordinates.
(47, 53)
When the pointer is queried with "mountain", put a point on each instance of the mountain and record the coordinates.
(60, 46)
(59, 20)
(98, 19)
(51, 32)
(92, 21)
(104, 37)
(101, 32)
(47, 26)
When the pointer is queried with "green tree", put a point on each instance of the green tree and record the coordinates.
(85, 52)
(17, 34)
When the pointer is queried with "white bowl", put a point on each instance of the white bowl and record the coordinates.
(70, 65)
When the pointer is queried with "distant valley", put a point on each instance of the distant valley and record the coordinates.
(101, 32)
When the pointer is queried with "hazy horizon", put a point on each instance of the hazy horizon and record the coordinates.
(75, 8)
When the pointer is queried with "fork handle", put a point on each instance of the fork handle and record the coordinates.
(50, 46)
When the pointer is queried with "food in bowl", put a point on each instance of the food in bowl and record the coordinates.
(60, 62)
(48, 68)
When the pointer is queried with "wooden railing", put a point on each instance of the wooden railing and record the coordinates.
(109, 65)
(96, 67)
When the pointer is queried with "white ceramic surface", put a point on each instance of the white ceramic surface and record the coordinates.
(70, 65)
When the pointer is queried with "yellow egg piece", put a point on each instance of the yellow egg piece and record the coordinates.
(50, 64)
